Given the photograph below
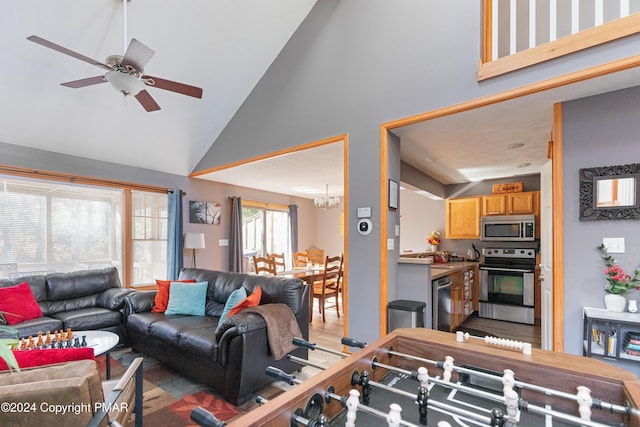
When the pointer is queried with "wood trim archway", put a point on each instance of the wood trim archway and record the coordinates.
(558, 216)
(344, 138)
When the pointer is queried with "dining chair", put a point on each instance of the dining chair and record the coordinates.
(316, 256)
(263, 265)
(278, 261)
(299, 259)
(329, 286)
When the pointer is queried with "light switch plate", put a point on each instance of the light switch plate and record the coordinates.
(397, 230)
(223, 242)
(391, 243)
(364, 212)
(614, 245)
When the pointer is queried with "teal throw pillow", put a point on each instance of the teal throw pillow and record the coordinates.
(233, 300)
(187, 298)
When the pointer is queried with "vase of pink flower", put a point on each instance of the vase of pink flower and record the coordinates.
(618, 282)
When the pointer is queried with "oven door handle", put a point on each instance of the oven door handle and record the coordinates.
(519, 270)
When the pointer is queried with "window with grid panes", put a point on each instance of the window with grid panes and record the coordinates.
(149, 212)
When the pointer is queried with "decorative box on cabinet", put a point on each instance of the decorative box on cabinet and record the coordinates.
(605, 333)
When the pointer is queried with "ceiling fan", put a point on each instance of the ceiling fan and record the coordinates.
(125, 73)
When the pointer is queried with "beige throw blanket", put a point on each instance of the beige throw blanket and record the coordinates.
(282, 327)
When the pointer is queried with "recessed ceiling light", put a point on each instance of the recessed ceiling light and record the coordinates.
(428, 160)
(516, 145)
(524, 165)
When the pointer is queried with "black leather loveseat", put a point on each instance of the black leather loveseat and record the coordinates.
(230, 357)
(81, 300)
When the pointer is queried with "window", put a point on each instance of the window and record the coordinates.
(265, 229)
(49, 226)
(149, 213)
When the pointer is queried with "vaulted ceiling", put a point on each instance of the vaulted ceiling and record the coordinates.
(224, 47)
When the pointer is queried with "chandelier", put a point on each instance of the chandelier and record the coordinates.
(326, 202)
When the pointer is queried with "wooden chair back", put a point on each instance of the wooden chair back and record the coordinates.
(329, 287)
(263, 265)
(278, 261)
(299, 259)
(316, 256)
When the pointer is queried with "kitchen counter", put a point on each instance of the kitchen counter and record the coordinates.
(441, 270)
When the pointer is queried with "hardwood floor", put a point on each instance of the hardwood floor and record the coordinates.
(503, 329)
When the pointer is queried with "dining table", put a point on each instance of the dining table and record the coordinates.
(309, 275)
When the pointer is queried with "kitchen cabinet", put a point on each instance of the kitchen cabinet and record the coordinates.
(605, 334)
(464, 298)
(511, 203)
(463, 218)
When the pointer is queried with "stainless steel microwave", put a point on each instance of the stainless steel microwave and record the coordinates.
(508, 228)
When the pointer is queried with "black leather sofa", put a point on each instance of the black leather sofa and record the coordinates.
(232, 358)
(81, 300)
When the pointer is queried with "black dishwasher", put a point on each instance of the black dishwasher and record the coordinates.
(441, 304)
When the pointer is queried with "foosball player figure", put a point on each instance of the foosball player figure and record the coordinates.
(47, 340)
(40, 342)
(31, 344)
(69, 334)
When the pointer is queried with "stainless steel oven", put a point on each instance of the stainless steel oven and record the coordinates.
(507, 285)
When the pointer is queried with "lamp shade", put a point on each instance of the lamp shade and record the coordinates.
(193, 240)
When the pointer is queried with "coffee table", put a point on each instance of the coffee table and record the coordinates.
(102, 342)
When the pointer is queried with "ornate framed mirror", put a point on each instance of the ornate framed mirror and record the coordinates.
(610, 192)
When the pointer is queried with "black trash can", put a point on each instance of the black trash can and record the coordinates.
(404, 313)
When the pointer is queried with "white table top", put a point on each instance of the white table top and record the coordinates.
(100, 341)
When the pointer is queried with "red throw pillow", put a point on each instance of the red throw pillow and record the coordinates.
(36, 357)
(18, 304)
(250, 301)
(162, 297)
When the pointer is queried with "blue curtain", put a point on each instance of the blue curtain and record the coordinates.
(236, 256)
(293, 222)
(175, 258)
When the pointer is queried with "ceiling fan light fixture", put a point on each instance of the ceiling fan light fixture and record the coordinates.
(125, 83)
(326, 202)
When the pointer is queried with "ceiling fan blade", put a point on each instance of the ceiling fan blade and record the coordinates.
(145, 99)
(85, 82)
(61, 49)
(182, 88)
(137, 55)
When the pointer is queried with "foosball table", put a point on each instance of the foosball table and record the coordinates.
(433, 378)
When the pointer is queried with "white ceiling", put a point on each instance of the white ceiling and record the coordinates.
(225, 48)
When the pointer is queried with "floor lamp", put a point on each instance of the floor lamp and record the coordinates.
(193, 241)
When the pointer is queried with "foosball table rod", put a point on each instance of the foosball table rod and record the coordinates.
(522, 404)
(597, 403)
(313, 346)
(280, 375)
(305, 362)
(352, 403)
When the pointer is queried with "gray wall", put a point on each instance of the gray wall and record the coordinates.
(597, 131)
(354, 64)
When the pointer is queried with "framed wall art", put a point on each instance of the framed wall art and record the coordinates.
(204, 212)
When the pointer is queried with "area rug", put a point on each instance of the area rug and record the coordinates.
(169, 398)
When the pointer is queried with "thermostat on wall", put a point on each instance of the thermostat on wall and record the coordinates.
(365, 226)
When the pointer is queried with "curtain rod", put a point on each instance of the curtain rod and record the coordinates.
(64, 177)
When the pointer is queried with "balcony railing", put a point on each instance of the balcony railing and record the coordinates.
(519, 33)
